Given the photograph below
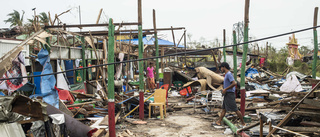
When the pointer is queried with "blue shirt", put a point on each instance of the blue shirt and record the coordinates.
(228, 78)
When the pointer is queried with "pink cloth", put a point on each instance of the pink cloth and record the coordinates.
(262, 60)
(150, 72)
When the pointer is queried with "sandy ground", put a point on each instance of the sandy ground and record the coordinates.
(182, 123)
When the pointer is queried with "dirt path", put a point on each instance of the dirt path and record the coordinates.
(177, 124)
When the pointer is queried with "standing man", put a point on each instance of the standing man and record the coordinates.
(229, 102)
(150, 75)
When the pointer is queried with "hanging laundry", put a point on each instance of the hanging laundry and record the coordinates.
(119, 67)
(18, 69)
(61, 80)
(79, 73)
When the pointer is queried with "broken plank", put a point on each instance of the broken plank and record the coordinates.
(289, 131)
(303, 129)
(64, 108)
(117, 117)
(178, 107)
(290, 114)
(99, 133)
(105, 121)
(81, 94)
(309, 123)
(254, 108)
(312, 102)
(80, 104)
(307, 113)
(129, 132)
(248, 127)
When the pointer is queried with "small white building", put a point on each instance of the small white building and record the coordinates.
(7, 44)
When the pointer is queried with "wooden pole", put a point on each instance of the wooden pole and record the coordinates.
(185, 48)
(128, 64)
(162, 59)
(286, 119)
(235, 59)
(290, 131)
(99, 16)
(157, 47)
(244, 58)
(261, 127)
(83, 59)
(141, 81)
(224, 44)
(266, 60)
(315, 38)
(258, 53)
(174, 43)
(235, 55)
(215, 61)
(111, 106)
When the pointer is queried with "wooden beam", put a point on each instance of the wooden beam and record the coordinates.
(174, 43)
(80, 104)
(90, 25)
(289, 131)
(290, 114)
(97, 22)
(261, 127)
(249, 127)
(310, 123)
(303, 129)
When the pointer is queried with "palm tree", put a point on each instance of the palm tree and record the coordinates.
(44, 18)
(15, 19)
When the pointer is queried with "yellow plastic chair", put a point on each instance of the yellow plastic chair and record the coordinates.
(159, 100)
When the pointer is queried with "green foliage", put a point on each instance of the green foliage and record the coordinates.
(44, 19)
(304, 50)
(15, 19)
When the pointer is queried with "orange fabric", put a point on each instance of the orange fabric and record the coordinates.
(151, 83)
(185, 91)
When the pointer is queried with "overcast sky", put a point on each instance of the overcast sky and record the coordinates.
(202, 18)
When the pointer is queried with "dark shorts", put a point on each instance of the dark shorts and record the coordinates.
(229, 102)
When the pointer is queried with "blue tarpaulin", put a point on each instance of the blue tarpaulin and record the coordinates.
(37, 81)
(70, 74)
(251, 71)
(161, 42)
(48, 92)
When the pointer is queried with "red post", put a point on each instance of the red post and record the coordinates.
(243, 101)
(112, 122)
(141, 105)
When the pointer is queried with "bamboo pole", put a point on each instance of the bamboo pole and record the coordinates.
(128, 64)
(234, 56)
(157, 47)
(174, 43)
(224, 44)
(83, 51)
(141, 79)
(137, 106)
(244, 58)
(111, 106)
(99, 16)
(185, 48)
(315, 38)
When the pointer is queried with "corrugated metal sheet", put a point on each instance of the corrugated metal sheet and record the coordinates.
(11, 130)
(6, 45)
(55, 52)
